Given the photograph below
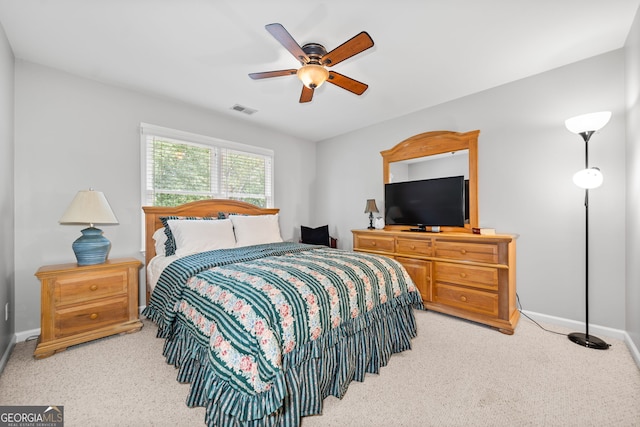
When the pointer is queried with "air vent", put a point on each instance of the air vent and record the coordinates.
(243, 109)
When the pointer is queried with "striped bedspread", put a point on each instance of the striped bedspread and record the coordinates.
(265, 333)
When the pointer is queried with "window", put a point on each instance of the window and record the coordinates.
(180, 167)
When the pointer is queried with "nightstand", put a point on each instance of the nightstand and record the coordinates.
(84, 303)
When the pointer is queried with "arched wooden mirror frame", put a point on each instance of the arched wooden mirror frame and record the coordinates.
(439, 142)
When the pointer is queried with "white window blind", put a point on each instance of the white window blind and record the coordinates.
(180, 167)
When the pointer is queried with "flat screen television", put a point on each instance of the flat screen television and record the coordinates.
(427, 202)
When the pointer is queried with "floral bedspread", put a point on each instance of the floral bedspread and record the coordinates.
(250, 315)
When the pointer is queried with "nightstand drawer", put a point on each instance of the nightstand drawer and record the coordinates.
(413, 246)
(471, 300)
(87, 317)
(464, 251)
(470, 275)
(91, 286)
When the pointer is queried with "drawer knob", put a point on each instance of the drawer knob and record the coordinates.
(463, 298)
(463, 275)
(93, 287)
(373, 243)
(93, 316)
(413, 246)
(463, 251)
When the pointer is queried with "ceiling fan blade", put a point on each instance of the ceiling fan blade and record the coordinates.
(306, 95)
(267, 74)
(285, 39)
(351, 47)
(347, 83)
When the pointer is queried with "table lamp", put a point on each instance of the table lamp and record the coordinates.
(370, 208)
(90, 207)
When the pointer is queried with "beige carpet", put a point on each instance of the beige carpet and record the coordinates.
(458, 374)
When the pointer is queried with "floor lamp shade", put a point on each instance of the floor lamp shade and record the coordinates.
(90, 207)
(591, 122)
(588, 178)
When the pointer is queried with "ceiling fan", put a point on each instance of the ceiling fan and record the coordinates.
(314, 58)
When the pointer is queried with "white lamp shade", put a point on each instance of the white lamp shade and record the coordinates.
(313, 75)
(588, 122)
(89, 207)
(588, 178)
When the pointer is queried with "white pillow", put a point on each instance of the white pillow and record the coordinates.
(202, 235)
(159, 238)
(256, 229)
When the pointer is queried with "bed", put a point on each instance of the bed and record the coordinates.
(262, 329)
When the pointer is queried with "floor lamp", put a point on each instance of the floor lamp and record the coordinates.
(586, 125)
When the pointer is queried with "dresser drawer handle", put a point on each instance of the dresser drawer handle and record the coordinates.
(463, 274)
(463, 251)
(413, 246)
(93, 287)
(93, 316)
(463, 298)
(373, 243)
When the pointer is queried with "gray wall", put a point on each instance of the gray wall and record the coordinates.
(526, 162)
(633, 182)
(6, 196)
(72, 134)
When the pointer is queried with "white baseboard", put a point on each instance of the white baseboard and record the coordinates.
(635, 353)
(595, 329)
(7, 353)
(538, 317)
(25, 335)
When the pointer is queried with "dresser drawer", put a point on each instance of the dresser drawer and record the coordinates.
(88, 317)
(375, 243)
(73, 288)
(467, 299)
(421, 247)
(466, 251)
(469, 275)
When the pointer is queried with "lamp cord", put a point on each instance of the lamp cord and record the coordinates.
(528, 317)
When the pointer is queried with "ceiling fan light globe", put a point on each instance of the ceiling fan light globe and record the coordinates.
(312, 75)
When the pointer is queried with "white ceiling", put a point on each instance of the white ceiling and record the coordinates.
(200, 51)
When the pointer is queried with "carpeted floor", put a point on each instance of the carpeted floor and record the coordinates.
(457, 374)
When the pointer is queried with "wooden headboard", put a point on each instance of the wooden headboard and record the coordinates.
(210, 208)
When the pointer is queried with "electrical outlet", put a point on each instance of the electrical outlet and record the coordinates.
(6, 312)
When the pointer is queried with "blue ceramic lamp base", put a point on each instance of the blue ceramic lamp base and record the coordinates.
(92, 247)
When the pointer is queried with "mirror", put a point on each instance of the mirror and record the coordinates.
(435, 155)
(437, 166)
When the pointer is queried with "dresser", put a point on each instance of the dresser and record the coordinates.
(461, 274)
(84, 303)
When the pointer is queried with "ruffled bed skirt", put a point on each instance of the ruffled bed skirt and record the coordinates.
(310, 373)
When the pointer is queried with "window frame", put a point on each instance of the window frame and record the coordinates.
(147, 129)
(202, 140)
